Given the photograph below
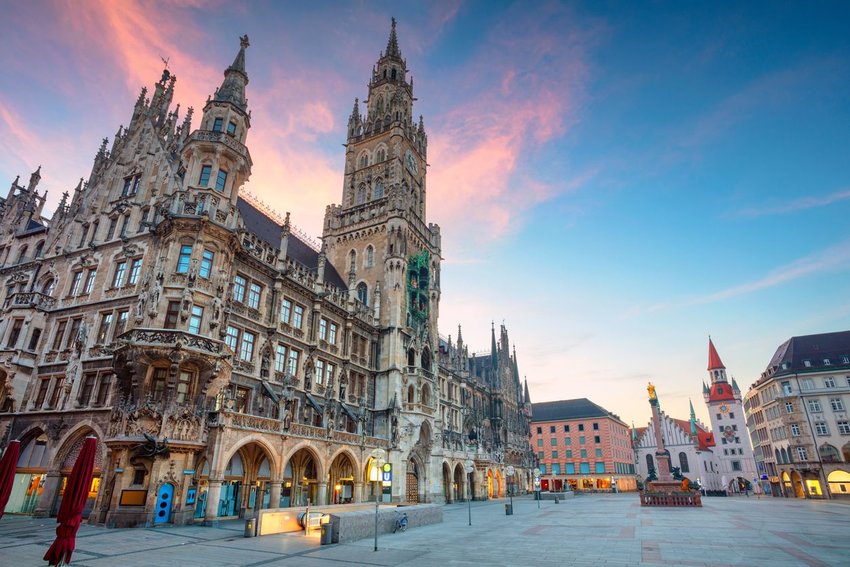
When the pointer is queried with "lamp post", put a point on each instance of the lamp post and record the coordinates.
(510, 486)
(469, 466)
(375, 474)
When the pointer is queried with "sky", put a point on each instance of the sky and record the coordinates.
(614, 181)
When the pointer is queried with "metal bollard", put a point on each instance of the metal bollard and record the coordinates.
(556, 500)
(509, 509)
(249, 527)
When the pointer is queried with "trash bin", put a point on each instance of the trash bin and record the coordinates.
(249, 527)
(557, 501)
(509, 509)
(327, 534)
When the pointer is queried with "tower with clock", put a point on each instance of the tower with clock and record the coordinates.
(379, 239)
(734, 450)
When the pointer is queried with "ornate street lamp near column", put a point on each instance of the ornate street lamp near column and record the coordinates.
(510, 487)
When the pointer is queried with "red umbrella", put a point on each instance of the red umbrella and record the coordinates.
(8, 464)
(71, 510)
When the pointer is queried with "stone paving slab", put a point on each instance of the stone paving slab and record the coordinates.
(588, 530)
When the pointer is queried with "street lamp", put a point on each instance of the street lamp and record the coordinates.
(469, 466)
(375, 475)
(510, 486)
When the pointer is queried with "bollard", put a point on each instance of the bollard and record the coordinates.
(509, 509)
(556, 500)
(249, 527)
(327, 534)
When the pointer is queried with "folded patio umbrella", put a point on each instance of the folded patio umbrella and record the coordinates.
(8, 464)
(71, 509)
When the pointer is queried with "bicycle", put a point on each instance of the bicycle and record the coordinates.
(400, 522)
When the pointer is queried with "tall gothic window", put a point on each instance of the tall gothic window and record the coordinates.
(683, 462)
(363, 293)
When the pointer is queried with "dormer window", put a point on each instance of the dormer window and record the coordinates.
(220, 180)
(807, 363)
(231, 128)
(206, 171)
(826, 362)
(217, 124)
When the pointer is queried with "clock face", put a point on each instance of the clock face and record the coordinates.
(724, 408)
(411, 162)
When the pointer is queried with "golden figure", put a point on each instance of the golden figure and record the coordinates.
(651, 389)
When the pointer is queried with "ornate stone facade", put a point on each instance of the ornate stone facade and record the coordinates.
(224, 361)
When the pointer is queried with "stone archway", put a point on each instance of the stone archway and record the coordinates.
(301, 479)
(447, 483)
(341, 480)
(459, 484)
(31, 473)
(797, 483)
(489, 483)
(839, 483)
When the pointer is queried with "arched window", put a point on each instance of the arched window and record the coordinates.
(48, 286)
(363, 293)
(352, 260)
(411, 394)
(778, 456)
(370, 256)
(364, 160)
(361, 195)
(393, 73)
(426, 395)
(425, 359)
(411, 357)
(381, 156)
(38, 249)
(650, 464)
(379, 189)
(683, 462)
(829, 454)
(22, 254)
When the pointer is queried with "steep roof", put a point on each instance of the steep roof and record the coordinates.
(714, 361)
(568, 409)
(269, 231)
(721, 391)
(810, 353)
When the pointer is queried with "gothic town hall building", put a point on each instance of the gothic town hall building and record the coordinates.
(224, 362)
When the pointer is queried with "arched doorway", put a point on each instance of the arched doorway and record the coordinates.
(500, 486)
(341, 480)
(412, 482)
(30, 474)
(231, 487)
(458, 485)
(797, 483)
(202, 481)
(786, 485)
(448, 492)
(839, 483)
(300, 479)
(68, 465)
(489, 483)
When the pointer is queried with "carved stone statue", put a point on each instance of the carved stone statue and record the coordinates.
(82, 336)
(186, 301)
(215, 308)
(155, 293)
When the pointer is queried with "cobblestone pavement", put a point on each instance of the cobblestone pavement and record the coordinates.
(591, 530)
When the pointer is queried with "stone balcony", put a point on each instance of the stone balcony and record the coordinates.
(172, 338)
(30, 300)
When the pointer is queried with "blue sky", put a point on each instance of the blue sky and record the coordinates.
(614, 181)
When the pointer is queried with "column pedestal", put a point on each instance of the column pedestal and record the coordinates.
(213, 502)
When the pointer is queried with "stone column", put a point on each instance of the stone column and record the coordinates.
(322, 496)
(213, 501)
(274, 493)
(358, 492)
(48, 495)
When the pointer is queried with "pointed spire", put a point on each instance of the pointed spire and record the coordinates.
(392, 43)
(735, 387)
(714, 362)
(494, 353)
(459, 335)
(232, 89)
(693, 419)
(705, 389)
(34, 179)
(634, 433)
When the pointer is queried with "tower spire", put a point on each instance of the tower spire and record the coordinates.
(693, 419)
(232, 89)
(714, 362)
(392, 43)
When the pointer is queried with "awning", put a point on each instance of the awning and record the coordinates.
(267, 390)
(348, 412)
(312, 401)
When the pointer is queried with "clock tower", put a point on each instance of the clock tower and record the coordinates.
(379, 240)
(734, 449)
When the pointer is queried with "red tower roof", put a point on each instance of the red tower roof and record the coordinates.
(714, 361)
(721, 391)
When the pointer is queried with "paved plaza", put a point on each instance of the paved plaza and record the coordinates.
(600, 529)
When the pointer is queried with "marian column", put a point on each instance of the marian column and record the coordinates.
(662, 455)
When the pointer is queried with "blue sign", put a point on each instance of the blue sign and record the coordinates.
(386, 476)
